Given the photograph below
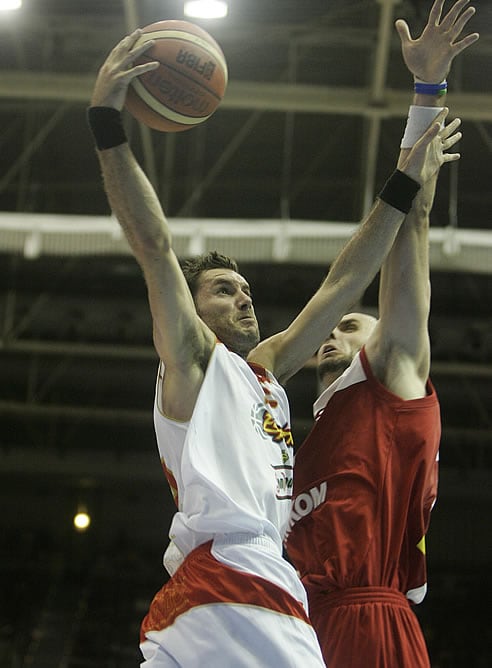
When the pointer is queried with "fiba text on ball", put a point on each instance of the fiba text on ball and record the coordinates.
(205, 68)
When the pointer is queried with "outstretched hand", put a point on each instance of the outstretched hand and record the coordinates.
(429, 57)
(429, 153)
(117, 71)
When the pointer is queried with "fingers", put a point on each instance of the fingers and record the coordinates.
(127, 43)
(442, 115)
(451, 141)
(434, 129)
(448, 134)
(142, 48)
(458, 28)
(465, 43)
(461, 22)
(144, 67)
(449, 137)
(440, 119)
(450, 157)
(132, 49)
(435, 12)
(454, 12)
(132, 38)
(126, 52)
(450, 128)
(403, 31)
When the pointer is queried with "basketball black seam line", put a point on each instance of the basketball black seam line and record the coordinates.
(185, 125)
(188, 41)
(179, 113)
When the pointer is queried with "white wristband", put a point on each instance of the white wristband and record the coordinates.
(419, 119)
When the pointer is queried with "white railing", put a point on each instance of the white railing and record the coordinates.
(295, 241)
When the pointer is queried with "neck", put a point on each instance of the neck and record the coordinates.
(327, 380)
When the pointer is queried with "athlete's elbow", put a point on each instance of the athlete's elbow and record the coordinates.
(154, 243)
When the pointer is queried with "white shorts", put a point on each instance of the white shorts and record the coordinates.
(210, 614)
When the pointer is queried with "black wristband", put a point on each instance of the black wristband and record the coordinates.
(106, 125)
(399, 191)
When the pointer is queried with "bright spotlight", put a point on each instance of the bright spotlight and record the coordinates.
(81, 521)
(10, 4)
(206, 9)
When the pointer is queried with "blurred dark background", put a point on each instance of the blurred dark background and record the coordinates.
(307, 134)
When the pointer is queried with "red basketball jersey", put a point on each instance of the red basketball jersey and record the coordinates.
(364, 484)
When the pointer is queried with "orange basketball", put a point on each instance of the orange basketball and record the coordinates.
(189, 83)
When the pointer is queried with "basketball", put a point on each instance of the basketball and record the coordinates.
(189, 83)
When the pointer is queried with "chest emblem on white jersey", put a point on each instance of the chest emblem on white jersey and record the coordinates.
(266, 425)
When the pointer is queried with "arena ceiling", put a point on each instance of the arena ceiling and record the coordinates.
(307, 133)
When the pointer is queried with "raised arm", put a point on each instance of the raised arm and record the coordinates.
(399, 349)
(357, 264)
(181, 339)
(429, 59)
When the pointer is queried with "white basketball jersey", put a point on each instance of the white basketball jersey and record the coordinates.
(230, 466)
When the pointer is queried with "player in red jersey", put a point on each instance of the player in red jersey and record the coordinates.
(365, 478)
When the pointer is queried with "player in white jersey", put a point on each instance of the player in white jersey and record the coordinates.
(222, 418)
(236, 453)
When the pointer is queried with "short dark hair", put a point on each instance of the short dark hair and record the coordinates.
(213, 260)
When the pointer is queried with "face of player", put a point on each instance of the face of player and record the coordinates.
(223, 301)
(337, 352)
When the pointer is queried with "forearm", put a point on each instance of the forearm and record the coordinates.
(361, 258)
(404, 297)
(134, 202)
(180, 338)
(412, 238)
(349, 275)
(404, 291)
(404, 288)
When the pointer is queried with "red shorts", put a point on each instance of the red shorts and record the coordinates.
(368, 626)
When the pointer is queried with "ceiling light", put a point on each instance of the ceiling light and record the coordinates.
(10, 4)
(206, 9)
(82, 520)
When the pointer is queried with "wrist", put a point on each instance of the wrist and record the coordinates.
(435, 89)
(429, 100)
(106, 125)
(399, 191)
